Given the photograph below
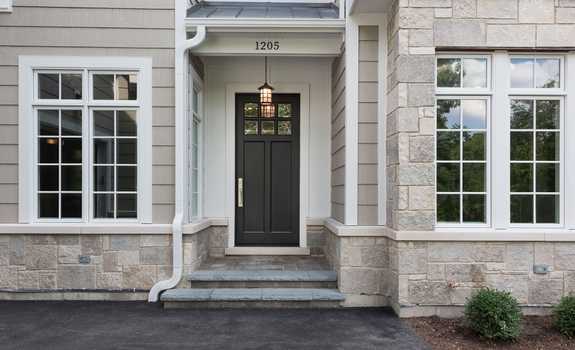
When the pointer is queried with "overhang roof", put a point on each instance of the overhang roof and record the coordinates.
(260, 10)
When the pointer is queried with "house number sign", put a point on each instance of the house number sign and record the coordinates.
(267, 45)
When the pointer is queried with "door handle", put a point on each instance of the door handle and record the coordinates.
(240, 192)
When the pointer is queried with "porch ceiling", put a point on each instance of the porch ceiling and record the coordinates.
(253, 10)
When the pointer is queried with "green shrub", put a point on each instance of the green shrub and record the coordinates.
(494, 315)
(564, 316)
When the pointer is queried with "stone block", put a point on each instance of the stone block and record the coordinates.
(451, 252)
(8, 277)
(464, 8)
(139, 277)
(69, 254)
(565, 256)
(110, 262)
(566, 15)
(567, 3)
(374, 256)
(569, 283)
(43, 239)
(458, 32)
(545, 291)
(519, 257)
(416, 175)
(68, 240)
(415, 220)
(91, 245)
(155, 241)
(359, 280)
(537, 11)
(497, 9)
(543, 253)
(465, 272)
(4, 254)
(429, 3)
(28, 279)
(460, 295)
(443, 13)
(128, 257)
(156, 255)
(559, 35)
(47, 280)
(17, 246)
(414, 18)
(436, 272)
(421, 37)
(124, 242)
(429, 293)
(416, 69)
(412, 261)
(41, 257)
(76, 277)
(510, 35)
(516, 284)
(109, 280)
(420, 95)
(422, 149)
(427, 126)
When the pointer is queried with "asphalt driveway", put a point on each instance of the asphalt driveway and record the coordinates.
(138, 325)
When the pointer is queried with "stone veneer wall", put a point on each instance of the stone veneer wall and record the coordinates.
(52, 263)
(433, 275)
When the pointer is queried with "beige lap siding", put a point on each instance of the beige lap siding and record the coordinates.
(367, 126)
(338, 140)
(136, 28)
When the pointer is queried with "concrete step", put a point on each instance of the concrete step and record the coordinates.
(252, 298)
(262, 279)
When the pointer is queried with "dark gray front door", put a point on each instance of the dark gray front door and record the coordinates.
(267, 172)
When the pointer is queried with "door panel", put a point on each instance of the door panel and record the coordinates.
(267, 160)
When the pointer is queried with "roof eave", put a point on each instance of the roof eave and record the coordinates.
(288, 24)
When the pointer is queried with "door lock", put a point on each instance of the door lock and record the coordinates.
(240, 192)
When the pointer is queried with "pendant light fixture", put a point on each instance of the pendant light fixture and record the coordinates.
(266, 106)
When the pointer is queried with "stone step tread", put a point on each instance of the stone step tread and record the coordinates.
(252, 294)
(262, 276)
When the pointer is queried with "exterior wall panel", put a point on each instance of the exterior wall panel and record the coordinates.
(338, 140)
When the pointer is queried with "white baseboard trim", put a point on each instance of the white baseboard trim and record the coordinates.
(267, 251)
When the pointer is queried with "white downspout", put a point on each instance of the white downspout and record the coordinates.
(181, 67)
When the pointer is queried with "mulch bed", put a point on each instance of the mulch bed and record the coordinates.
(451, 334)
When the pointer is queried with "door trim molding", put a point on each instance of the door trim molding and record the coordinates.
(231, 90)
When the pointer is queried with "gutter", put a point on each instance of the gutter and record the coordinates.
(181, 66)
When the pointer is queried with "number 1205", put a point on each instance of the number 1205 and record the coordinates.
(267, 45)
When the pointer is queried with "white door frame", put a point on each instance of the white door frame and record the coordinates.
(231, 90)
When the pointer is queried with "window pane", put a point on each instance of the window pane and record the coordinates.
(521, 177)
(127, 85)
(547, 73)
(521, 73)
(547, 209)
(71, 150)
(521, 145)
(126, 151)
(48, 205)
(103, 206)
(548, 114)
(72, 86)
(473, 177)
(474, 208)
(48, 150)
(71, 178)
(268, 128)
(448, 145)
(250, 127)
(103, 123)
(48, 178)
(71, 205)
(103, 151)
(448, 178)
(126, 123)
(475, 73)
(547, 177)
(48, 122)
(448, 72)
(474, 114)
(521, 209)
(547, 145)
(104, 178)
(448, 114)
(48, 86)
(284, 128)
(521, 114)
(127, 206)
(103, 86)
(126, 178)
(284, 110)
(251, 110)
(195, 181)
(448, 208)
(71, 122)
(474, 145)
(195, 101)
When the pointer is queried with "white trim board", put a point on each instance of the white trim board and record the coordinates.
(231, 91)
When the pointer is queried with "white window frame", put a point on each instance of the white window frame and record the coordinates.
(29, 66)
(470, 94)
(5, 5)
(195, 84)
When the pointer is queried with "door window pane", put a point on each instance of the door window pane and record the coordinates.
(126, 123)
(49, 122)
(104, 178)
(103, 86)
(71, 122)
(126, 180)
(71, 150)
(48, 177)
(251, 110)
(71, 178)
(284, 110)
(48, 86)
(268, 128)
(127, 87)
(103, 123)
(126, 151)
(284, 128)
(71, 86)
(48, 149)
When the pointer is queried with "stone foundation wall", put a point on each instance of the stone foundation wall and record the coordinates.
(433, 276)
(92, 262)
(363, 268)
